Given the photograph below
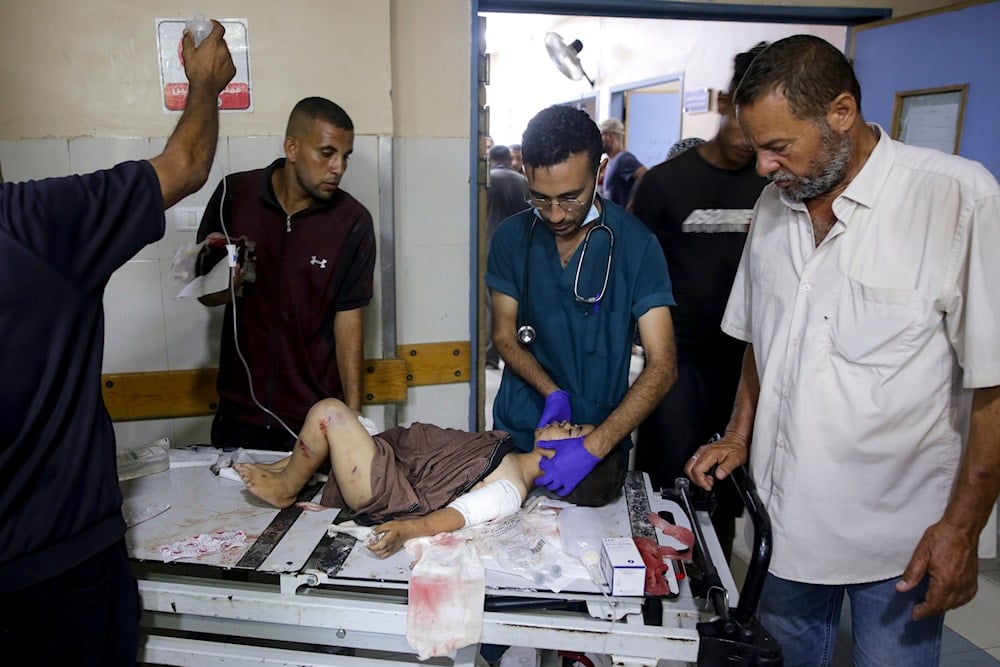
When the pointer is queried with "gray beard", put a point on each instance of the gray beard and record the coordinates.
(830, 171)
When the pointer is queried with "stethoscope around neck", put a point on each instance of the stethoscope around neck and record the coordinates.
(525, 332)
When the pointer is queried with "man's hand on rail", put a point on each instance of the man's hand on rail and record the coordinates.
(724, 455)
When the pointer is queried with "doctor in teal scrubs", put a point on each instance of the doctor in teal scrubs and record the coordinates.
(571, 279)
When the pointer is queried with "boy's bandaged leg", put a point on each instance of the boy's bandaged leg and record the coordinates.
(447, 590)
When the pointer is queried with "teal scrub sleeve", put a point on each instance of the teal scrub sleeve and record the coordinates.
(505, 262)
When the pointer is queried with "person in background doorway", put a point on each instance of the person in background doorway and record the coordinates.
(507, 194)
(869, 402)
(582, 300)
(516, 161)
(624, 169)
(699, 204)
(67, 593)
(299, 326)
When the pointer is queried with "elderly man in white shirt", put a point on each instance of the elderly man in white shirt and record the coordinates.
(864, 292)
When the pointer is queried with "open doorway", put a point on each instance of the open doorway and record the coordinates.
(651, 113)
(638, 70)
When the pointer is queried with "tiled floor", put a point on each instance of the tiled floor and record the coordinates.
(971, 634)
(976, 626)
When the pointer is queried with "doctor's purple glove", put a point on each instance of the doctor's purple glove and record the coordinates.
(567, 467)
(557, 409)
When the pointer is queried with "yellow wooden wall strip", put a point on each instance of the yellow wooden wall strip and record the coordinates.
(383, 381)
(191, 393)
(160, 394)
(437, 363)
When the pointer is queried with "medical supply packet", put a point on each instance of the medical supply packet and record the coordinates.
(623, 567)
(140, 461)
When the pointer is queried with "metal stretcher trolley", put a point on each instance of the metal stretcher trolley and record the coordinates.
(292, 595)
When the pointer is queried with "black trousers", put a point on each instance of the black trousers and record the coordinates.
(228, 432)
(86, 616)
(698, 405)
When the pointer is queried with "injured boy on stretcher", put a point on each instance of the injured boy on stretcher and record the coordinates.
(412, 481)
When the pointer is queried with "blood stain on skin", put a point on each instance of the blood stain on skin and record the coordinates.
(304, 448)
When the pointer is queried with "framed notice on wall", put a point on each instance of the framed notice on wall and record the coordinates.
(931, 117)
(174, 85)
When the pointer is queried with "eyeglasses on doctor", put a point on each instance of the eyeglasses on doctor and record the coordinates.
(544, 204)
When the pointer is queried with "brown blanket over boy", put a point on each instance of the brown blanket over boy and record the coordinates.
(421, 468)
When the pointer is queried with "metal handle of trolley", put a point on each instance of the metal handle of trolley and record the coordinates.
(735, 636)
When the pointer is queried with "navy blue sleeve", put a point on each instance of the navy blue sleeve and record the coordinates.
(86, 226)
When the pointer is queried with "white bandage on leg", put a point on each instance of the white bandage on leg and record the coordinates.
(494, 501)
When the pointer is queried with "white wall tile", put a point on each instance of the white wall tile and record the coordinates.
(87, 154)
(444, 405)
(192, 331)
(34, 159)
(361, 181)
(246, 153)
(432, 240)
(192, 431)
(432, 192)
(135, 338)
(432, 294)
(139, 433)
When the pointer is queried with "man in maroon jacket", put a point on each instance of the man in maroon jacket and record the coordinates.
(298, 325)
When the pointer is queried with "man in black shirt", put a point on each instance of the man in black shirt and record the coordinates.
(699, 204)
(67, 593)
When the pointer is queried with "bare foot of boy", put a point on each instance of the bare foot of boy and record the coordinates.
(268, 485)
(276, 466)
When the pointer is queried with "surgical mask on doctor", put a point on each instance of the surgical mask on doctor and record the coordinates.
(538, 204)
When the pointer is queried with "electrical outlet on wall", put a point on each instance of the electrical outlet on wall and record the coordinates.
(187, 218)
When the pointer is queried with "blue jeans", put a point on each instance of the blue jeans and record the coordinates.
(804, 619)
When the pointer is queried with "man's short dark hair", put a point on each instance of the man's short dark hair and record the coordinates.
(311, 109)
(741, 61)
(558, 132)
(808, 71)
(499, 154)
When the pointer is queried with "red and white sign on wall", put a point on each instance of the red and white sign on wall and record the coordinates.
(235, 97)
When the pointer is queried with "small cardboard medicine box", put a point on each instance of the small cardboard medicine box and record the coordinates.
(622, 566)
